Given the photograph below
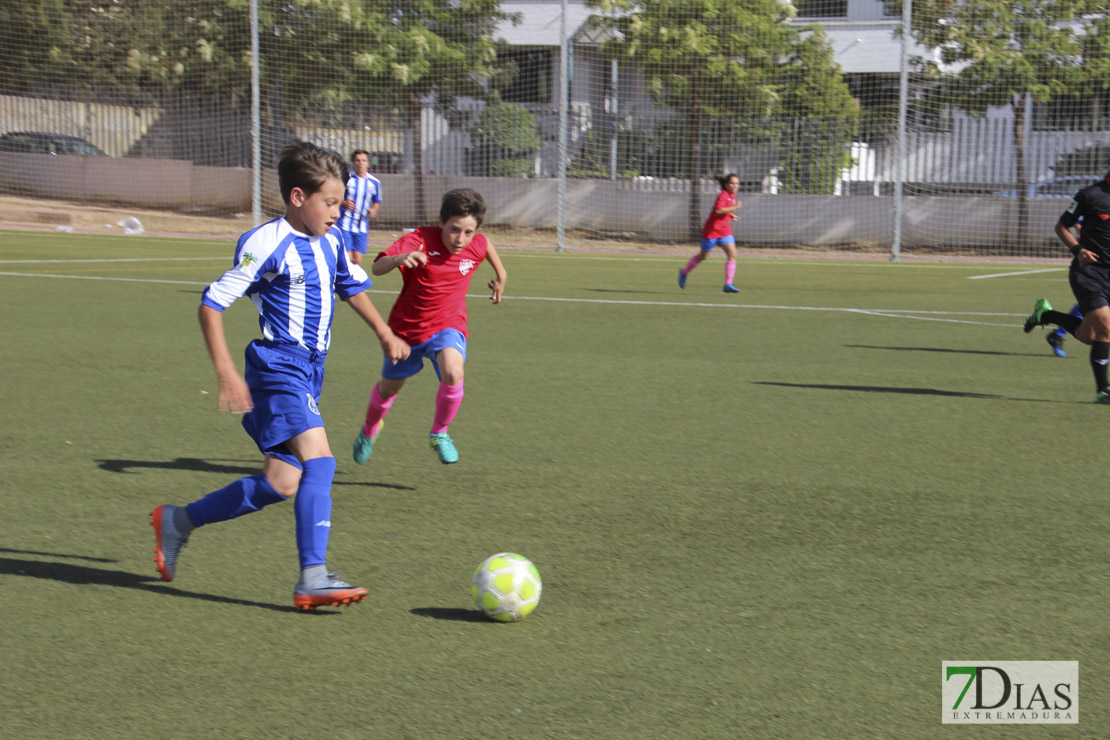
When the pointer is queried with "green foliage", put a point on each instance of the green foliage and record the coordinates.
(507, 140)
(326, 51)
(508, 128)
(35, 42)
(1006, 48)
(719, 60)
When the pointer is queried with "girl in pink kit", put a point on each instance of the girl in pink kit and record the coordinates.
(436, 265)
(717, 231)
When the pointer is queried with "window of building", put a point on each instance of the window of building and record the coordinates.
(822, 8)
(533, 80)
(1090, 112)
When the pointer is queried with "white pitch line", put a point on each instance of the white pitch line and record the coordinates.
(122, 259)
(897, 313)
(1013, 274)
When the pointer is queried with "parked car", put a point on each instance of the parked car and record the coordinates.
(1054, 187)
(40, 142)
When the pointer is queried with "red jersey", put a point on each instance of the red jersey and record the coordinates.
(433, 296)
(718, 225)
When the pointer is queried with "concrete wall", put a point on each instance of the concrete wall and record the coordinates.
(144, 183)
(601, 206)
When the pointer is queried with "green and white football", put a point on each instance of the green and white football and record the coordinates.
(506, 587)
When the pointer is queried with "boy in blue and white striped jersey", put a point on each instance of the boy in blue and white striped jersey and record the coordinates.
(361, 201)
(292, 268)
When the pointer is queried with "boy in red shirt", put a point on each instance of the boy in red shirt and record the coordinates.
(717, 232)
(436, 265)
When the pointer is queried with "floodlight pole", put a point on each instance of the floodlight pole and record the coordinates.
(256, 122)
(903, 102)
(564, 97)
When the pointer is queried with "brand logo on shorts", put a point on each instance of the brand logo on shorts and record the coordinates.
(465, 266)
(1104, 216)
(312, 404)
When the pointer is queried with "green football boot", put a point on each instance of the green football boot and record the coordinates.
(1034, 319)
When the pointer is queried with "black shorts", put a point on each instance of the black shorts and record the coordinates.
(1090, 284)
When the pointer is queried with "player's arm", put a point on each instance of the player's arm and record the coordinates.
(234, 395)
(497, 285)
(1068, 220)
(372, 212)
(393, 346)
(415, 258)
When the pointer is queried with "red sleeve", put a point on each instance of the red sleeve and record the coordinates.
(407, 243)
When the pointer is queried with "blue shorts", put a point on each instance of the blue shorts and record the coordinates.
(285, 383)
(415, 362)
(356, 241)
(708, 244)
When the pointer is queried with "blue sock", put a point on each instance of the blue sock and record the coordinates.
(244, 496)
(312, 507)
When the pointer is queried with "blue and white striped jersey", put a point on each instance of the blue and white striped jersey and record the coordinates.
(292, 279)
(363, 192)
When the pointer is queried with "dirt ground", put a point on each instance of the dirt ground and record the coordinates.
(45, 215)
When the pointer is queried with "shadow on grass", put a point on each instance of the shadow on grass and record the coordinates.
(82, 575)
(456, 615)
(214, 466)
(882, 389)
(952, 351)
(57, 555)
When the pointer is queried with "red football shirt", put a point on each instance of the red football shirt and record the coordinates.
(717, 225)
(433, 296)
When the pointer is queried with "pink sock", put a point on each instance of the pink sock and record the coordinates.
(448, 400)
(690, 265)
(730, 272)
(376, 411)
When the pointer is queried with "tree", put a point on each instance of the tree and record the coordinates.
(315, 55)
(726, 59)
(418, 51)
(1007, 50)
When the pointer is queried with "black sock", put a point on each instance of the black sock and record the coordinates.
(1100, 357)
(1068, 322)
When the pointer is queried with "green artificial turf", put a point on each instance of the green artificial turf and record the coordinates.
(764, 515)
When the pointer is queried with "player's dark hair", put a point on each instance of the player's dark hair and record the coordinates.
(357, 152)
(306, 166)
(462, 202)
(723, 179)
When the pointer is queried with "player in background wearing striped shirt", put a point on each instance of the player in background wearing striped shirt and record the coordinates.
(436, 264)
(361, 201)
(717, 232)
(291, 268)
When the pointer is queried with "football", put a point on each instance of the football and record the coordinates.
(506, 587)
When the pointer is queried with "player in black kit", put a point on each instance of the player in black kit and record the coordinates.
(1089, 276)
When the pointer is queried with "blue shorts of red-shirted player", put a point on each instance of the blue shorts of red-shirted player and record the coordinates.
(355, 241)
(427, 349)
(708, 244)
(285, 383)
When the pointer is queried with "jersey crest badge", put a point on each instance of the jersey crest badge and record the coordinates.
(247, 260)
(465, 266)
